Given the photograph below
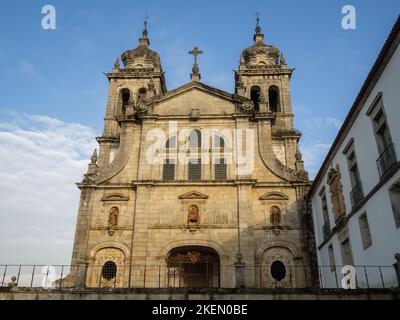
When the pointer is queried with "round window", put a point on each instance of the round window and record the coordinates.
(109, 270)
(278, 270)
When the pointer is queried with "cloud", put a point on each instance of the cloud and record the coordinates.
(313, 156)
(41, 159)
(335, 122)
(27, 68)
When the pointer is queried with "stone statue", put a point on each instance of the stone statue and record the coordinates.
(397, 267)
(116, 65)
(336, 190)
(13, 283)
(193, 214)
(275, 217)
(113, 217)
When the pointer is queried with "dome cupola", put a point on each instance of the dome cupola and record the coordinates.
(259, 54)
(142, 57)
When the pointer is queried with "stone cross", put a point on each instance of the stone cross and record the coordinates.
(195, 75)
(195, 52)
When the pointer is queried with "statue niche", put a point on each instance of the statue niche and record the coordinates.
(193, 218)
(112, 220)
(193, 215)
(275, 217)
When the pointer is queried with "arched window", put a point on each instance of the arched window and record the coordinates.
(273, 98)
(219, 143)
(278, 270)
(169, 163)
(142, 93)
(109, 270)
(125, 97)
(255, 93)
(169, 169)
(195, 139)
(220, 166)
(194, 169)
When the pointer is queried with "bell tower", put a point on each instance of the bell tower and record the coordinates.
(264, 77)
(139, 79)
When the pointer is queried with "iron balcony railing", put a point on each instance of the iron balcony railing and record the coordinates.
(161, 276)
(356, 195)
(386, 160)
(326, 230)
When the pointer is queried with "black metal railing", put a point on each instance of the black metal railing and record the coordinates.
(326, 230)
(386, 160)
(356, 195)
(162, 276)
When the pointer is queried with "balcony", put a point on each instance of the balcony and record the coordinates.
(356, 195)
(386, 160)
(326, 230)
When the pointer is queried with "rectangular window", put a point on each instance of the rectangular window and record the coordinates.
(332, 262)
(394, 195)
(381, 130)
(365, 231)
(387, 155)
(169, 170)
(220, 169)
(357, 193)
(194, 169)
(347, 256)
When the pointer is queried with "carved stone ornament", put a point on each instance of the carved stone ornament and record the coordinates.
(247, 106)
(193, 214)
(336, 190)
(142, 106)
(194, 114)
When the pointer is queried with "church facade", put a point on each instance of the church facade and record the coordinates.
(195, 186)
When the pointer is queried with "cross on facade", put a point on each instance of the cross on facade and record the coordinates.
(257, 14)
(258, 29)
(145, 32)
(195, 52)
(195, 75)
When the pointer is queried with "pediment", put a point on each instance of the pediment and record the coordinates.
(115, 197)
(193, 195)
(205, 100)
(199, 87)
(274, 196)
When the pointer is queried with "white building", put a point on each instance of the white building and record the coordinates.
(356, 194)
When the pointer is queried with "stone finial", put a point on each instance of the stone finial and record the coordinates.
(283, 59)
(116, 66)
(144, 40)
(94, 157)
(298, 155)
(258, 36)
(239, 82)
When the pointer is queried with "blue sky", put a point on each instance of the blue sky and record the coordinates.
(54, 93)
(59, 73)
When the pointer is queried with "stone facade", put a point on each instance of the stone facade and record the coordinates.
(133, 216)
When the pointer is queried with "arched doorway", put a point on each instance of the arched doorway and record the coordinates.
(193, 267)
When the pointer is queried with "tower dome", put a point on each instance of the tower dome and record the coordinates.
(142, 57)
(259, 54)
